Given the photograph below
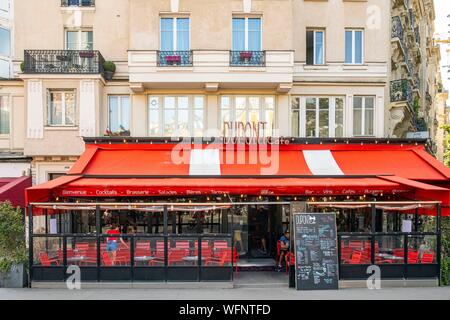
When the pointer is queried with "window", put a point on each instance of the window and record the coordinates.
(315, 47)
(5, 42)
(119, 113)
(176, 116)
(317, 117)
(79, 40)
(353, 46)
(363, 116)
(174, 34)
(251, 109)
(247, 34)
(4, 115)
(4, 5)
(54, 175)
(61, 108)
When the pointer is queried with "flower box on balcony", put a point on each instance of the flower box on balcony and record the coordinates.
(86, 54)
(245, 55)
(173, 59)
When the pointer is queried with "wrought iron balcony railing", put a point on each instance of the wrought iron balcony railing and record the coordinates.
(175, 58)
(77, 3)
(417, 33)
(397, 28)
(420, 124)
(63, 61)
(401, 91)
(247, 58)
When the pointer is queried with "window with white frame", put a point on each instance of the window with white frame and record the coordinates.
(247, 35)
(176, 116)
(248, 109)
(174, 34)
(354, 46)
(61, 108)
(315, 47)
(4, 115)
(317, 117)
(119, 113)
(363, 115)
(81, 39)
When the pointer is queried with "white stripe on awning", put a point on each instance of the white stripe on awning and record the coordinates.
(322, 162)
(204, 162)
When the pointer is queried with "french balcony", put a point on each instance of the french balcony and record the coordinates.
(247, 58)
(63, 62)
(397, 28)
(174, 59)
(77, 3)
(401, 91)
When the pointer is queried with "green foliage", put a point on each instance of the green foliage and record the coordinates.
(416, 105)
(12, 237)
(109, 66)
(22, 66)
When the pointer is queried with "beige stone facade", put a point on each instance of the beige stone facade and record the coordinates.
(310, 55)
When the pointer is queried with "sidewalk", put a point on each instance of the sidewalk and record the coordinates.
(437, 293)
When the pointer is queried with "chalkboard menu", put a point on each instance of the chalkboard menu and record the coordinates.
(315, 244)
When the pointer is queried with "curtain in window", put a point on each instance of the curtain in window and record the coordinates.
(238, 34)
(369, 116)
(72, 40)
(295, 117)
(309, 47)
(125, 112)
(311, 117)
(254, 34)
(4, 116)
(348, 47)
(319, 47)
(70, 108)
(166, 34)
(153, 121)
(55, 112)
(114, 114)
(357, 116)
(324, 117)
(183, 34)
(87, 40)
(339, 118)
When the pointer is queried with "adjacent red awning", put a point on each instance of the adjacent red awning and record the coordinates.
(138, 170)
(13, 190)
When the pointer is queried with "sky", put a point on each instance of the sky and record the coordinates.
(442, 31)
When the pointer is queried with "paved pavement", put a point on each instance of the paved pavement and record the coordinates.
(438, 293)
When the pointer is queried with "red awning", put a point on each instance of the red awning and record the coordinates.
(115, 170)
(13, 190)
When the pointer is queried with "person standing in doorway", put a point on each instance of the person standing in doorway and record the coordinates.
(285, 244)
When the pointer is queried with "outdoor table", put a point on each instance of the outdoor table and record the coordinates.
(192, 259)
(144, 259)
(77, 259)
(389, 256)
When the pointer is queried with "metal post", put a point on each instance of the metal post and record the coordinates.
(30, 244)
(98, 232)
(438, 244)
(372, 236)
(199, 260)
(65, 256)
(166, 247)
(416, 219)
(405, 255)
(132, 256)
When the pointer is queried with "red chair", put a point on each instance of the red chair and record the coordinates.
(427, 257)
(221, 260)
(123, 257)
(413, 257)
(399, 252)
(107, 260)
(177, 255)
(182, 245)
(355, 258)
(46, 261)
(81, 246)
(277, 258)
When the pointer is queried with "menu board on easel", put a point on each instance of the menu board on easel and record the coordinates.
(316, 255)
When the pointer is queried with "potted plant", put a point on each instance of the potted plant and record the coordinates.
(22, 66)
(109, 68)
(13, 251)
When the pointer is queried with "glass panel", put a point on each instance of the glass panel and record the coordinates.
(182, 34)
(389, 249)
(48, 251)
(368, 122)
(55, 114)
(238, 223)
(72, 40)
(319, 47)
(169, 122)
(4, 116)
(309, 47)
(5, 42)
(358, 47)
(149, 252)
(153, 121)
(339, 117)
(348, 47)
(311, 117)
(114, 113)
(422, 249)
(82, 251)
(355, 250)
(323, 117)
(198, 122)
(125, 113)
(254, 34)
(115, 251)
(87, 40)
(183, 251)
(357, 116)
(241, 114)
(70, 109)
(166, 34)
(238, 34)
(295, 117)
